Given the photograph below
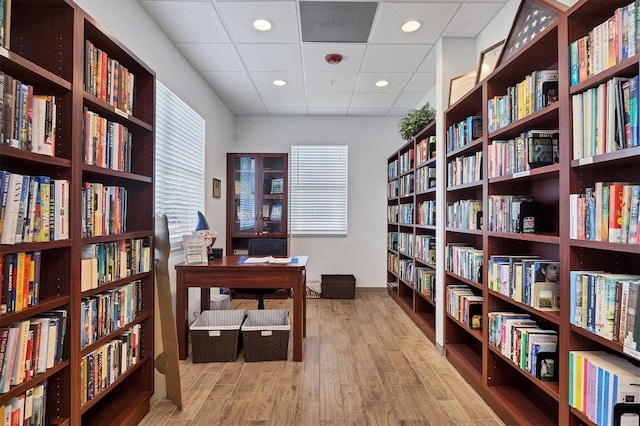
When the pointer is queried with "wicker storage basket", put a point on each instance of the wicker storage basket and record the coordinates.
(215, 336)
(265, 335)
(338, 286)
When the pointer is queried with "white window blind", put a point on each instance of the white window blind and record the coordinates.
(179, 179)
(318, 189)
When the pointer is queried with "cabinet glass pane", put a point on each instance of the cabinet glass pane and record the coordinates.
(245, 194)
(273, 190)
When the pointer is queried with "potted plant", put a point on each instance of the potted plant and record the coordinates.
(416, 120)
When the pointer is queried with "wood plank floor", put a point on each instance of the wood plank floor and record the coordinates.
(365, 363)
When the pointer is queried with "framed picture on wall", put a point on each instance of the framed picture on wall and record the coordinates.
(217, 188)
(488, 60)
(532, 17)
(460, 85)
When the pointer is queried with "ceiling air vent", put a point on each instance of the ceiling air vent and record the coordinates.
(336, 22)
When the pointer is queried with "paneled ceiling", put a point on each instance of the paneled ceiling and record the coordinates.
(241, 63)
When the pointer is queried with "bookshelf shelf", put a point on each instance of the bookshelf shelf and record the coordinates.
(47, 53)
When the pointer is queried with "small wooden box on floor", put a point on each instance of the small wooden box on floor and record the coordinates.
(265, 335)
(338, 286)
(215, 336)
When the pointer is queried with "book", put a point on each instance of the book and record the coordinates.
(545, 290)
(10, 223)
(268, 259)
(542, 147)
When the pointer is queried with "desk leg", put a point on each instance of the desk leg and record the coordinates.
(181, 316)
(298, 317)
(304, 304)
(205, 299)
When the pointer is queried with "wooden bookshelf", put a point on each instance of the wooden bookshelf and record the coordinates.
(47, 51)
(411, 228)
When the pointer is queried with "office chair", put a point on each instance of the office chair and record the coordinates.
(264, 247)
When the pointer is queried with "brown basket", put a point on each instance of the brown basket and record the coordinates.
(215, 336)
(338, 286)
(312, 294)
(265, 335)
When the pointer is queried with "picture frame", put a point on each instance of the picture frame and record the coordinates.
(488, 60)
(531, 18)
(276, 212)
(547, 366)
(460, 85)
(217, 188)
(277, 186)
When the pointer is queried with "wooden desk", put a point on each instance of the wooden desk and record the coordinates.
(232, 272)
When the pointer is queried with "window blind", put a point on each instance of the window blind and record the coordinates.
(179, 173)
(318, 189)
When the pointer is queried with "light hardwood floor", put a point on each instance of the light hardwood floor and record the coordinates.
(365, 363)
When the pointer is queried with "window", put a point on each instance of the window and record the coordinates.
(179, 179)
(318, 189)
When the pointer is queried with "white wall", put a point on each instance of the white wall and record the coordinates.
(371, 141)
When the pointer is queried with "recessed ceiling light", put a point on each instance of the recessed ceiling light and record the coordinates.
(279, 83)
(262, 25)
(382, 83)
(410, 26)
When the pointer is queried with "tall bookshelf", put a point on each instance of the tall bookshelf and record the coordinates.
(411, 228)
(517, 395)
(44, 48)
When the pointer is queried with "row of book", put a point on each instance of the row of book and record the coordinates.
(406, 185)
(598, 381)
(27, 120)
(402, 213)
(527, 279)
(425, 282)
(606, 304)
(425, 178)
(464, 261)
(425, 149)
(464, 305)
(519, 338)
(426, 214)
(20, 278)
(108, 79)
(464, 132)
(393, 262)
(608, 211)
(106, 312)
(392, 240)
(608, 43)
(464, 214)
(605, 118)
(513, 213)
(103, 263)
(30, 347)
(538, 90)
(104, 209)
(426, 248)
(33, 208)
(392, 169)
(406, 270)
(5, 23)
(28, 408)
(462, 170)
(106, 143)
(392, 189)
(102, 367)
(532, 149)
(406, 243)
(406, 161)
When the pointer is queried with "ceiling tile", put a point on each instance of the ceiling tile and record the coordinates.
(313, 56)
(211, 57)
(264, 81)
(187, 21)
(408, 100)
(471, 19)
(328, 100)
(421, 82)
(394, 57)
(433, 17)
(225, 81)
(284, 100)
(243, 103)
(336, 112)
(238, 18)
(271, 57)
(367, 112)
(330, 82)
(373, 100)
(429, 63)
(367, 82)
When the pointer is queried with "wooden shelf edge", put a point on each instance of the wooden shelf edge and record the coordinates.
(426, 328)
